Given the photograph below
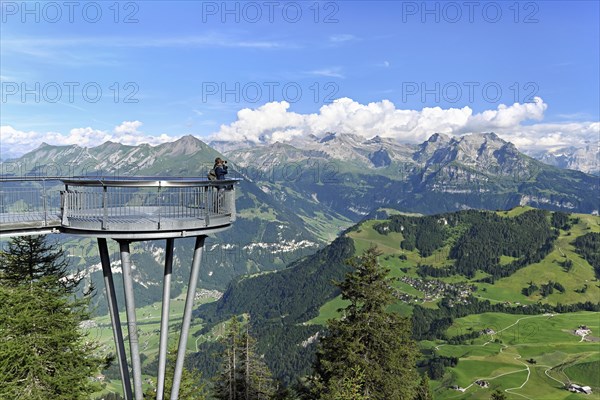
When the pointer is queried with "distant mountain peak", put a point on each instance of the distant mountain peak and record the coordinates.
(185, 145)
(189, 138)
(328, 137)
(439, 137)
(492, 135)
(374, 139)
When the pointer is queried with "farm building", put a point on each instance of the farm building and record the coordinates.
(579, 389)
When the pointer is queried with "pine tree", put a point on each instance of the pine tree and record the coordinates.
(498, 395)
(191, 386)
(349, 387)
(368, 351)
(423, 391)
(243, 374)
(30, 259)
(43, 353)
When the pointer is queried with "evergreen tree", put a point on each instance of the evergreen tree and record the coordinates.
(30, 259)
(191, 386)
(423, 391)
(243, 374)
(347, 387)
(43, 353)
(368, 353)
(498, 395)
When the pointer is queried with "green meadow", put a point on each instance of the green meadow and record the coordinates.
(557, 356)
(503, 290)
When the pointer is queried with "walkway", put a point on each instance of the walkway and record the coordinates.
(135, 208)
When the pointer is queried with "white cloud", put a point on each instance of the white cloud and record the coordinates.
(275, 122)
(507, 117)
(333, 72)
(341, 38)
(128, 128)
(552, 137)
(14, 143)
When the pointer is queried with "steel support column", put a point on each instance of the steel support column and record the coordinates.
(134, 349)
(187, 316)
(113, 310)
(164, 321)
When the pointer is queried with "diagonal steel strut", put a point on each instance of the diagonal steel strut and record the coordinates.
(113, 310)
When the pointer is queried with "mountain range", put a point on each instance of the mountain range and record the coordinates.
(297, 196)
(586, 159)
(351, 175)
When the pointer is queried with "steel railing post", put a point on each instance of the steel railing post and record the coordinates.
(159, 203)
(44, 201)
(104, 206)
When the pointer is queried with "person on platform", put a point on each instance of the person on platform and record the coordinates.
(220, 168)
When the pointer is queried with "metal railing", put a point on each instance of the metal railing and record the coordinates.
(124, 204)
(31, 203)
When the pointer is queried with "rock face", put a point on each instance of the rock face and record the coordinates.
(380, 158)
(476, 150)
(462, 159)
(112, 158)
(586, 159)
(345, 147)
(353, 175)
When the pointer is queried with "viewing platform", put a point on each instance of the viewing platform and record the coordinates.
(119, 208)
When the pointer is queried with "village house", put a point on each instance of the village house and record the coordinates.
(583, 330)
(482, 383)
(579, 389)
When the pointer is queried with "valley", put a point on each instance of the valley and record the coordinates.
(538, 326)
(303, 213)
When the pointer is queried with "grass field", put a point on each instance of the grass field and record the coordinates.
(503, 290)
(560, 356)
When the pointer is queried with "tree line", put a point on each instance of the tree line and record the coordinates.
(431, 324)
(480, 238)
(588, 246)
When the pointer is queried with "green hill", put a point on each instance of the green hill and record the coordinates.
(442, 277)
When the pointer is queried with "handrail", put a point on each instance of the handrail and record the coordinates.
(147, 182)
(132, 204)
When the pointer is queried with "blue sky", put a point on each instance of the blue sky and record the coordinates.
(166, 69)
